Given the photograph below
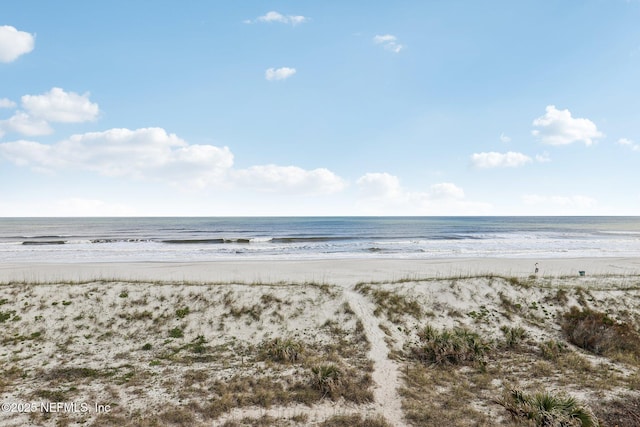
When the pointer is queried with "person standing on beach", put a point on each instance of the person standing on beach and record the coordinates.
(536, 270)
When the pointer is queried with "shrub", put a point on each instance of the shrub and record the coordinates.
(552, 349)
(547, 410)
(596, 332)
(620, 412)
(513, 335)
(355, 420)
(176, 333)
(282, 350)
(182, 312)
(327, 379)
(450, 347)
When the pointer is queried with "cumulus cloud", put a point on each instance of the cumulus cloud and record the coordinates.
(446, 190)
(504, 138)
(274, 16)
(499, 160)
(389, 42)
(7, 103)
(141, 153)
(382, 194)
(25, 124)
(625, 142)
(14, 43)
(279, 73)
(152, 153)
(290, 179)
(379, 185)
(60, 106)
(55, 106)
(558, 127)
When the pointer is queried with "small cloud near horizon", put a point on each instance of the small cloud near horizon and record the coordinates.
(490, 160)
(282, 73)
(274, 16)
(626, 142)
(389, 42)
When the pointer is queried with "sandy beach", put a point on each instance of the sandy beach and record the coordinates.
(318, 342)
(334, 271)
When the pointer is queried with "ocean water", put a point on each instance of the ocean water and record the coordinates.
(205, 239)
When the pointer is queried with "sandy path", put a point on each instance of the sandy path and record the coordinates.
(385, 371)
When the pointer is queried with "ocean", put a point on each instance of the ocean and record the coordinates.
(206, 239)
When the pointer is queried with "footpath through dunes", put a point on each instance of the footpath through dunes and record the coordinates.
(385, 370)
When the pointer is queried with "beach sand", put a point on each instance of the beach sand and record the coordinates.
(317, 342)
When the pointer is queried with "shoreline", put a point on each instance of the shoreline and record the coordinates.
(339, 272)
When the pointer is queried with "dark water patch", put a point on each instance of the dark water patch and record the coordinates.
(312, 239)
(43, 242)
(193, 241)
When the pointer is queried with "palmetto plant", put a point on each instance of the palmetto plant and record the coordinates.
(547, 410)
(327, 379)
(456, 346)
(283, 350)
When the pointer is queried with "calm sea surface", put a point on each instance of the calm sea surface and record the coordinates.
(201, 239)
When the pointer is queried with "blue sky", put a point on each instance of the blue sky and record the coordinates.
(320, 108)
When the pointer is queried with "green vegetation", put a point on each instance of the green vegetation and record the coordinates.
(176, 333)
(282, 350)
(182, 312)
(513, 335)
(545, 409)
(457, 346)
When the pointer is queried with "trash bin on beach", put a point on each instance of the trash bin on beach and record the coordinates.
(581, 272)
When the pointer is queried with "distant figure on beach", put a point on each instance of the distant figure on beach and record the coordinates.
(536, 268)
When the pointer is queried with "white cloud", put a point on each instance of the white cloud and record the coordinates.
(379, 185)
(152, 153)
(279, 73)
(290, 179)
(389, 42)
(142, 153)
(55, 106)
(543, 158)
(557, 127)
(7, 103)
(625, 142)
(504, 138)
(446, 190)
(382, 194)
(274, 16)
(25, 124)
(499, 160)
(60, 106)
(14, 43)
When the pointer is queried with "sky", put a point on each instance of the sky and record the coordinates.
(228, 108)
